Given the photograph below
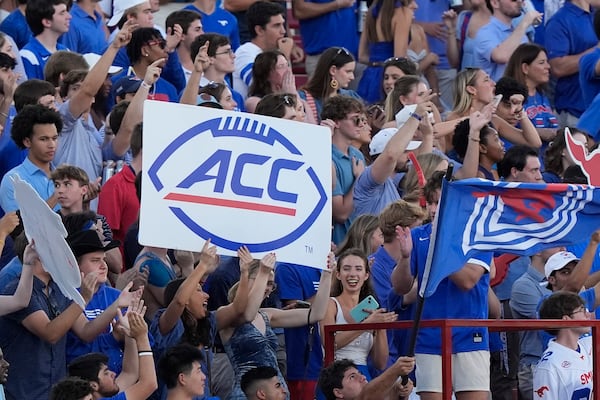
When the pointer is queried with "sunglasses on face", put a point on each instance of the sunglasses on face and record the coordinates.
(160, 42)
(359, 120)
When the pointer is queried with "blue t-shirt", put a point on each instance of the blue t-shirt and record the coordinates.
(588, 80)
(570, 31)
(371, 197)
(35, 56)
(589, 122)
(471, 304)
(86, 33)
(333, 29)
(33, 175)
(488, 38)
(343, 183)
(15, 25)
(220, 21)
(10, 154)
(431, 11)
(296, 282)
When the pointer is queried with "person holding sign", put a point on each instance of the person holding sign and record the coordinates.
(354, 303)
(253, 342)
(22, 295)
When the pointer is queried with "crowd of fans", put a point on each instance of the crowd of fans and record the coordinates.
(407, 88)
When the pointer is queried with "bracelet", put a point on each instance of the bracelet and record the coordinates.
(473, 139)
(416, 116)
(5, 115)
(145, 85)
(144, 353)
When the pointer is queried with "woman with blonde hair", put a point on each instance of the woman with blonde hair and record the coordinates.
(253, 343)
(415, 179)
(473, 91)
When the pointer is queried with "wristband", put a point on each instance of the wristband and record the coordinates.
(144, 353)
(416, 116)
(145, 85)
(473, 139)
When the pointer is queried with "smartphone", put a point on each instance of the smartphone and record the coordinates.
(497, 100)
(358, 313)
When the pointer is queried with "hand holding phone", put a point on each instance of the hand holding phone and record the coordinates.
(358, 313)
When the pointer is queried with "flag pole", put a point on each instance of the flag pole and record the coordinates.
(420, 297)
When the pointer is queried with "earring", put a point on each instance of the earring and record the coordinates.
(334, 83)
(145, 54)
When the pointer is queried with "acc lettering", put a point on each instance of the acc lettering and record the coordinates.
(222, 160)
(586, 378)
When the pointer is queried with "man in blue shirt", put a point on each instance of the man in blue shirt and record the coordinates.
(569, 35)
(347, 119)
(468, 290)
(217, 20)
(496, 41)
(35, 128)
(48, 21)
(15, 25)
(192, 26)
(86, 33)
(589, 69)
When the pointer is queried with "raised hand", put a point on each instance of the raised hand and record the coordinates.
(153, 71)
(127, 297)
(405, 239)
(245, 258)
(174, 36)
(268, 261)
(358, 166)
(30, 256)
(124, 35)
(202, 60)
(8, 223)
(88, 285)
(209, 256)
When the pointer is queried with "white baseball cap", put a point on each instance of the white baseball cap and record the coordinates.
(381, 139)
(119, 8)
(93, 58)
(558, 261)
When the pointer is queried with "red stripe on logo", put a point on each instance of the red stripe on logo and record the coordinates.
(188, 198)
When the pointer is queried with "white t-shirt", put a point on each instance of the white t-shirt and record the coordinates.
(244, 60)
(563, 373)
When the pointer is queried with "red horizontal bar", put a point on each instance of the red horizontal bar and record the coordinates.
(213, 201)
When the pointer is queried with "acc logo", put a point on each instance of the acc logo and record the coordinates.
(236, 170)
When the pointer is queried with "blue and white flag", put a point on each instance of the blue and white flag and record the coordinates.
(519, 218)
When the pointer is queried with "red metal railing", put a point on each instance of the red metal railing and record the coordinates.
(446, 326)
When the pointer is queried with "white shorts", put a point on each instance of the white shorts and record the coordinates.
(470, 372)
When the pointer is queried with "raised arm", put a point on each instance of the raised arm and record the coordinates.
(232, 314)
(88, 330)
(147, 382)
(131, 366)
(300, 317)
(581, 272)
(52, 330)
(402, 278)
(133, 115)
(201, 62)
(477, 121)
(82, 100)
(380, 386)
(22, 295)
(208, 263)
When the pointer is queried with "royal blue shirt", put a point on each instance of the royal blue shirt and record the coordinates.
(588, 80)
(333, 29)
(296, 282)
(15, 25)
(220, 21)
(450, 301)
(431, 11)
(86, 33)
(10, 154)
(35, 56)
(589, 122)
(570, 31)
